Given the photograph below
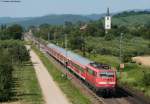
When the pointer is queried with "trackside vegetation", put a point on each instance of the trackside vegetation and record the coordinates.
(74, 94)
(11, 53)
(26, 89)
(137, 77)
(5, 76)
(18, 83)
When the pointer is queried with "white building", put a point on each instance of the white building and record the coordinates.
(107, 21)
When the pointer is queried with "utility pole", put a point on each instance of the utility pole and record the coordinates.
(66, 63)
(66, 45)
(121, 36)
(48, 36)
(121, 54)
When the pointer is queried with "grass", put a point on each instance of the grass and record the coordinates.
(133, 76)
(26, 89)
(74, 94)
(112, 47)
(107, 59)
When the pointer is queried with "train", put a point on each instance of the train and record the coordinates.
(99, 76)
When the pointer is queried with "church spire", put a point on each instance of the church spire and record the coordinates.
(107, 21)
(108, 12)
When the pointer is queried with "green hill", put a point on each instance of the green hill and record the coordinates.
(54, 20)
(123, 18)
(49, 19)
(131, 18)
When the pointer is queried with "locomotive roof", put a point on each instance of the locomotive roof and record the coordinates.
(73, 56)
(100, 65)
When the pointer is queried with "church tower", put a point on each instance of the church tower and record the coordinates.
(107, 21)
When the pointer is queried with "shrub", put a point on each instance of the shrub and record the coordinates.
(10, 53)
(16, 49)
(109, 37)
(146, 79)
(5, 76)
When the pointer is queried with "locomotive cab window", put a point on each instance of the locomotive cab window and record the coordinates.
(106, 74)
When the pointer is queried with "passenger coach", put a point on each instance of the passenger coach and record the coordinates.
(98, 76)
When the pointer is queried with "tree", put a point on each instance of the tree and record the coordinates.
(146, 78)
(5, 75)
(15, 31)
(109, 37)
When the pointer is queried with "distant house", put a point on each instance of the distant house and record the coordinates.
(84, 27)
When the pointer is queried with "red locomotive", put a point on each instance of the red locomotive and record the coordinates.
(98, 76)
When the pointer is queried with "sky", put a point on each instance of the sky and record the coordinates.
(33, 8)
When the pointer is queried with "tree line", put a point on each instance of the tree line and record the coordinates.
(12, 53)
(11, 32)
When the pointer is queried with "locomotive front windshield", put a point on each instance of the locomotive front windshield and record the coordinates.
(107, 74)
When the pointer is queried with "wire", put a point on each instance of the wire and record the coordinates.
(10, 1)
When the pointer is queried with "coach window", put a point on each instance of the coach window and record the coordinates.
(78, 67)
(90, 71)
(81, 68)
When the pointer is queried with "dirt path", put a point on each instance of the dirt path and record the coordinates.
(51, 92)
(144, 60)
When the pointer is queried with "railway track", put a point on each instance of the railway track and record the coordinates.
(121, 97)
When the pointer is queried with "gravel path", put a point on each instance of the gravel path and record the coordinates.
(51, 92)
(144, 60)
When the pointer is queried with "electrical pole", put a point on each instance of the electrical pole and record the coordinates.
(121, 36)
(66, 43)
(66, 62)
(48, 36)
(121, 59)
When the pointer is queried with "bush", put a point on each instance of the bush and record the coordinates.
(5, 76)
(11, 32)
(149, 45)
(127, 58)
(109, 37)
(146, 79)
(17, 50)
(105, 51)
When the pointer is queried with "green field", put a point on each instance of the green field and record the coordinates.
(26, 89)
(137, 77)
(74, 94)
